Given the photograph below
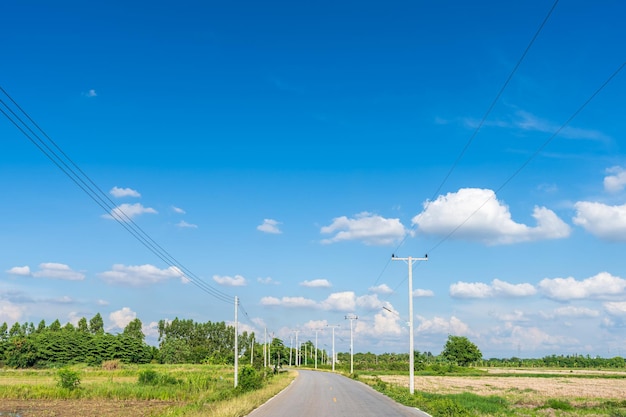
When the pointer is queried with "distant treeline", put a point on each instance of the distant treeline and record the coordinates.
(426, 360)
(185, 341)
(180, 341)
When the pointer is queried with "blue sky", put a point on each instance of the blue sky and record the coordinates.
(282, 151)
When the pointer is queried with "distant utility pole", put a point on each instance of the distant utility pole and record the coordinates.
(333, 359)
(290, 348)
(410, 261)
(236, 348)
(265, 349)
(351, 317)
(316, 330)
(297, 351)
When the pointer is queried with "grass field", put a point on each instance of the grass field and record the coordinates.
(205, 390)
(187, 390)
(505, 392)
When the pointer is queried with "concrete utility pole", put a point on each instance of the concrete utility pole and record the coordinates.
(236, 348)
(410, 261)
(316, 330)
(290, 348)
(351, 317)
(265, 349)
(297, 351)
(333, 359)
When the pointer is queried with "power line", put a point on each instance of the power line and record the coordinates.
(59, 158)
(533, 155)
(480, 125)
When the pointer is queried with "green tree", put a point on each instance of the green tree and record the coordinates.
(41, 327)
(133, 330)
(460, 350)
(96, 324)
(82, 325)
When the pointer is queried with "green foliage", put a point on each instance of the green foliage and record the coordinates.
(249, 379)
(557, 404)
(185, 341)
(68, 378)
(151, 377)
(459, 350)
(43, 346)
(96, 324)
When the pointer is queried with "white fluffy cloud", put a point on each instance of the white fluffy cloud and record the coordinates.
(140, 275)
(599, 286)
(54, 271)
(236, 281)
(291, 302)
(316, 283)
(601, 220)
(346, 301)
(572, 311)
(340, 301)
(423, 293)
(121, 318)
(369, 302)
(381, 289)
(368, 228)
(385, 324)
(10, 313)
(440, 325)
(479, 216)
(531, 338)
(184, 225)
(23, 271)
(497, 288)
(269, 226)
(124, 212)
(616, 308)
(267, 281)
(616, 181)
(124, 192)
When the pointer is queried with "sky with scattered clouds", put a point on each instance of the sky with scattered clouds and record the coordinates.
(281, 152)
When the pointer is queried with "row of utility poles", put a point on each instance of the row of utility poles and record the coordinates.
(409, 260)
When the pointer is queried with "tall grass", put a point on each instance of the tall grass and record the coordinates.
(193, 390)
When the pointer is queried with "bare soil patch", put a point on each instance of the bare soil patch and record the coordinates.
(83, 408)
(527, 389)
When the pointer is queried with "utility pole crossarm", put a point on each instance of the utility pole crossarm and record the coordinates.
(410, 261)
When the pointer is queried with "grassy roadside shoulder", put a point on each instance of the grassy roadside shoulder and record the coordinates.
(146, 390)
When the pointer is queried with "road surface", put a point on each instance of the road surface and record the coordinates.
(314, 394)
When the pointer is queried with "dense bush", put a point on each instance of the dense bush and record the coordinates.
(151, 377)
(249, 379)
(68, 378)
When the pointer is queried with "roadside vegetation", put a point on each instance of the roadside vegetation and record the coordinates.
(151, 390)
(83, 370)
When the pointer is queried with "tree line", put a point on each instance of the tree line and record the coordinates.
(185, 341)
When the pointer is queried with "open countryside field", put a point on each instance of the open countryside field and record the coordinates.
(528, 391)
(187, 390)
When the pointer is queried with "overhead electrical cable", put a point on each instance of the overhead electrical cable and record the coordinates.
(59, 158)
(533, 155)
(525, 163)
(479, 126)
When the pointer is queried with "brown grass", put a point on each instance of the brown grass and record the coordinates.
(523, 389)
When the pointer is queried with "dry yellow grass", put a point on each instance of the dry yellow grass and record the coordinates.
(522, 389)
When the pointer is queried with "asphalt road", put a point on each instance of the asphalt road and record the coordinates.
(326, 394)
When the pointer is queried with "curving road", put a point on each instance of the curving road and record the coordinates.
(326, 394)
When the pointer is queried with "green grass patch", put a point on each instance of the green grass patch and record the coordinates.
(443, 405)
